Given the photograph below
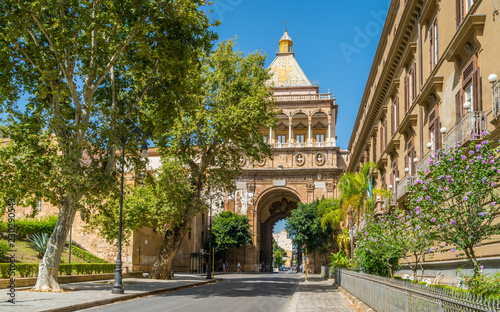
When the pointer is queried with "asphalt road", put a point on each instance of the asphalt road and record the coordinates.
(237, 292)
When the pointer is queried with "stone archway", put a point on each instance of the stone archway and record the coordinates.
(276, 205)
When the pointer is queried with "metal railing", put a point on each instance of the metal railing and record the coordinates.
(471, 126)
(424, 163)
(495, 91)
(303, 97)
(383, 294)
(403, 186)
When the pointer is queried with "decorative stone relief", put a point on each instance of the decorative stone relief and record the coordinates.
(320, 159)
(300, 159)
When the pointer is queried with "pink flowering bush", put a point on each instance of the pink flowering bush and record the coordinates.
(456, 199)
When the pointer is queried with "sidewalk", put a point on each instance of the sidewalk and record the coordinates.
(89, 294)
(318, 294)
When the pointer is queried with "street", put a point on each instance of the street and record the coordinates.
(237, 292)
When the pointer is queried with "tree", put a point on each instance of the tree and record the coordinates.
(304, 227)
(215, 124)
(381, 242)
(85, 66)
(231, 230)
(278, 255)
(457, 198)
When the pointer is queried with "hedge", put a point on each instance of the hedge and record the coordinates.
(86, 256)
(31, 269)
(28, 226)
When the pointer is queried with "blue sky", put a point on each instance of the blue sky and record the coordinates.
(334, 42)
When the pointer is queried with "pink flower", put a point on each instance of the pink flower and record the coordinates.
(452, 222)
(452, 250)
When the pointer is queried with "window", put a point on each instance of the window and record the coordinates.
(433, 38)
(383, 135)
(264, 138)
(300, 138)
(463, 8)
(39, 205)
(202, 236)
(394, 174)
(202, 218)
(281, 138)
(434, 126)
(374, 148)
(410, 90)
(470, 91)
(410, 155)
(320, 138)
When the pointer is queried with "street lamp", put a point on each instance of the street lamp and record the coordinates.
(118, 286)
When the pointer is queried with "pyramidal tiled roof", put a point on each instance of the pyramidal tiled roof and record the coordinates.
(286, 72)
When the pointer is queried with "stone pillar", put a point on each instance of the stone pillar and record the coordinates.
(309, 133)
(270, 135)
(310, 192)
(329, 133)
(332, 130)
(290, 121)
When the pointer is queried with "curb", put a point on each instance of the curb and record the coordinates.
(93, 304)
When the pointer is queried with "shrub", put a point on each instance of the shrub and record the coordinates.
(27, 269)
(4, 270)
(86, 256)
(29, 226)
(40, 241)
(4, 249)
(340, 260)
(484, 285)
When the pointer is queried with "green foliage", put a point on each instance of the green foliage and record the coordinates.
(278, 254)
(343, 240)
(340, 260)
(158, 203)
(304, 227)
(89, 72)
(31, 269)
(456, 199)
(86, 256)
(484, 285)
(331, 212)
(29, 226)
(4, 249)
(231, 230)
(382, 243)
(40, 241)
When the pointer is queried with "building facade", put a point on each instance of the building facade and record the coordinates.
(283, 241)
(305, 164)
(433, 83)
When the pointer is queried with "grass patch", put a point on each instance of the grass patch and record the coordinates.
(26, 253)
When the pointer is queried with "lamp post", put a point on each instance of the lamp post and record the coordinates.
(118, 286)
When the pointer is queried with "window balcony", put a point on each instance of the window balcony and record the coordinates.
(423, 165)
(470, 127)
(402, 188)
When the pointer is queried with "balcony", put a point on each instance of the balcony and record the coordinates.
(423, 165)
(402, 187)
(470, 127)
(302, 145)
(303, 97)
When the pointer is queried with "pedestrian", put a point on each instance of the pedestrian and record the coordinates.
(224, 267)
(227, 267)
(239, 268)
(301, 267)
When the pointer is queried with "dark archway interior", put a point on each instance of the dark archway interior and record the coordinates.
(279, 209)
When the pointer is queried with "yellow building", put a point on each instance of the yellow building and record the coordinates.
(433, 83)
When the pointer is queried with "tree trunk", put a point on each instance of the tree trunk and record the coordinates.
(164, 265)
(49, 266)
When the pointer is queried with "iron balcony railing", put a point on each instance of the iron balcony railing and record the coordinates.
(423, 165)
(470, 127)
(384, 294)
(495, 90)
(402, 187)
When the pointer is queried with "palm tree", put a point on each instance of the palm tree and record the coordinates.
(355, 196)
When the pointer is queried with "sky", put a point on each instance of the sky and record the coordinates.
(334, 42)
